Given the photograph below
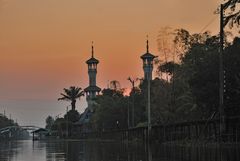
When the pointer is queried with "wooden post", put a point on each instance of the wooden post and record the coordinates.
(189, 133)
(33, 137)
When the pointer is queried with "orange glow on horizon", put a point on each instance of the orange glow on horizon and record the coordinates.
(44, 44)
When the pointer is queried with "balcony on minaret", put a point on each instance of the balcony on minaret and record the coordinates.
(92, 90)
(92, 67)
(147, 59)
(92, 64)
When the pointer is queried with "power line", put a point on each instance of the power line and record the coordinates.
(209, 23)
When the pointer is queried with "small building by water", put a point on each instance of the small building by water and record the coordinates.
(40, 134)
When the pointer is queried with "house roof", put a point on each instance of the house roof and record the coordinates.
(40, 130)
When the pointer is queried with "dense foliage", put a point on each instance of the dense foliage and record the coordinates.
(111, 110)
(191, 93)
(4, 122)
(63, 127)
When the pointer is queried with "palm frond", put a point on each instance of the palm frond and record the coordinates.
(71, 93)
(80, 94)
(65, 97)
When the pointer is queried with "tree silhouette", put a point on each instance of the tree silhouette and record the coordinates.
(72, 94)
(232, 17)
(49, 122)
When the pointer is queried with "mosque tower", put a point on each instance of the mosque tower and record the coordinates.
(148, 63)
(92, 90)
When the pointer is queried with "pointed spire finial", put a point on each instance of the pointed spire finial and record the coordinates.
(147, 45)
(92, 50)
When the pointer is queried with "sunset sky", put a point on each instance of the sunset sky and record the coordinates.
(44, 45)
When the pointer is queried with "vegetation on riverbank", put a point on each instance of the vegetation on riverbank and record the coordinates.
(191, 93)
(186, 89)
(5, 121)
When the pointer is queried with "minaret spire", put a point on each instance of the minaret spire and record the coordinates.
(92, 50)
(148, 59)
(147, 45)
(92, 90)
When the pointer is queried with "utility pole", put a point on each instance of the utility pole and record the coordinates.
(128, 117)
(221, 85)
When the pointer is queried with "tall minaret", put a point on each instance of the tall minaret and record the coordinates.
(147, 63)
(92, 90)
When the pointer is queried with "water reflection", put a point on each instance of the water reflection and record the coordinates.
(108, 151)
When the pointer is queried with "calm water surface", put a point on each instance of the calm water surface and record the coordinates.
(104, 151)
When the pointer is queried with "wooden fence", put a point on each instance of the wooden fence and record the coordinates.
(203, 130)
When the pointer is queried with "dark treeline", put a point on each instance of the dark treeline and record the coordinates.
(186, 89)
(191, 92)
(4, 121)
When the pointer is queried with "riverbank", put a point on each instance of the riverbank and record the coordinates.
(194, 132)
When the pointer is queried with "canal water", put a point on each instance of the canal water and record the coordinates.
(28, 150)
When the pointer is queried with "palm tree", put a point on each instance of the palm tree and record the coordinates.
(72, 94)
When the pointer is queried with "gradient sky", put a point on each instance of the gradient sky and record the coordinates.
(44, 45)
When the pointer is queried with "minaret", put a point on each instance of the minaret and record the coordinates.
(92, 90)
(147, 63)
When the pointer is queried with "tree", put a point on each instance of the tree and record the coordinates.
(111, 112)
(72, 94)
(167, 67)
(233, 16)
(176, 92)
(196, 79)
(204, 83)
(140, 103)
(4, 121)
(59, 126)
(232, 78)
(198, 74)
(49, 122)
(72, 116)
